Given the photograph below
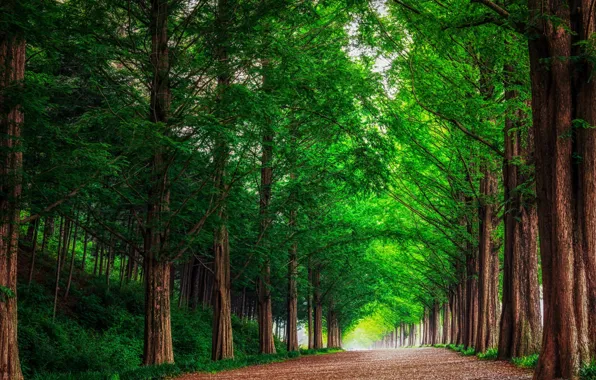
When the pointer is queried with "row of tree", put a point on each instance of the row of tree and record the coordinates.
(501, 180)
(199, 147)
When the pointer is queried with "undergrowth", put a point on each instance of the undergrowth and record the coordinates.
(98, 334)
(588, 372)
(526, 361)
(490, 354)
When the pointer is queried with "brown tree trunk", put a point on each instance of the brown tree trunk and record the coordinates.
(72, 260)
(12, 72)
(292, 315)
(333, 332)
(471, 320)
(520, 328)
(61, 241)
(157, 269)
(563, 95)
(158, 333)
(222, 342)
(33, 252)
(318, 310)
(309, 311)
(487, 291)
(266, 342)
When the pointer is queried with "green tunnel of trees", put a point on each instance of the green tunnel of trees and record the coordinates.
(297, 166)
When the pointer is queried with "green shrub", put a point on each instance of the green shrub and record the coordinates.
(469, 352)
(588, 372)
(490, 354)
(526, 361)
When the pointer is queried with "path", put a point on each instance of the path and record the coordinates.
(405, 364)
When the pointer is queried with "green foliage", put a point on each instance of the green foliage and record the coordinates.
(490, 354)
(526, 361)
(469, 352)
(588, 372)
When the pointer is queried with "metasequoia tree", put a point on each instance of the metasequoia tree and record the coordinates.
(12, 72)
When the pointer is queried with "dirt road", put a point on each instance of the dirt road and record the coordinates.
(406, 364)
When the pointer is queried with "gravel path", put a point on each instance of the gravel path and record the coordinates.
(406, 364)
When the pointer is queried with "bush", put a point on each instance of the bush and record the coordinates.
(526, 361)
(490, 354)
(469, 352)
(588, 372)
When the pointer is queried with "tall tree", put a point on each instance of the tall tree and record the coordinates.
(12, 73)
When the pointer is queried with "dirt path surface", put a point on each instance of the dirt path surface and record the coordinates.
(406, 364)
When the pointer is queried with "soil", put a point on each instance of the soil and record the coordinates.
(406, 364)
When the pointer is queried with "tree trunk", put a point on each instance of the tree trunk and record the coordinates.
(158, 333)
(487, 291)
(12, 72)
(33, 252)
(471, 320)
(61, 241)
(292, 316)
(318, 310)
(265, 313)
(157, 269)
(309, 311)
(333, 332)
(563, 95)
(72, 260)
(222, 346)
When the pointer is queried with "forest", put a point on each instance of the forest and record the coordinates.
(202, 185)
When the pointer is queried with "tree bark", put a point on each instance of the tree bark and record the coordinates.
(158, 332)
(333, 331)
(12, 72)
(318, 310)
(157, 272)
(266, 343)
(486, 336)
(33, 252)
(292, 315)
(222, 342)
(72, 260)
(520, 328)
(563, 95)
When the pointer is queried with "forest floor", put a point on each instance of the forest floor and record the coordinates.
(406, 364)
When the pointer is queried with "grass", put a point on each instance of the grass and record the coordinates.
(490, 354)
(526, 361)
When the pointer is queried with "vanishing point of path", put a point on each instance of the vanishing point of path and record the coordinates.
(406, 364)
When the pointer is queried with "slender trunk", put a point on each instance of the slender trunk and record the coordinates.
(72, 260)
(61, 238)
(33, 252)
(292, 312)
(309, 311)
(487, 292)
(318, 310)
(109, 261)
(85, 241)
